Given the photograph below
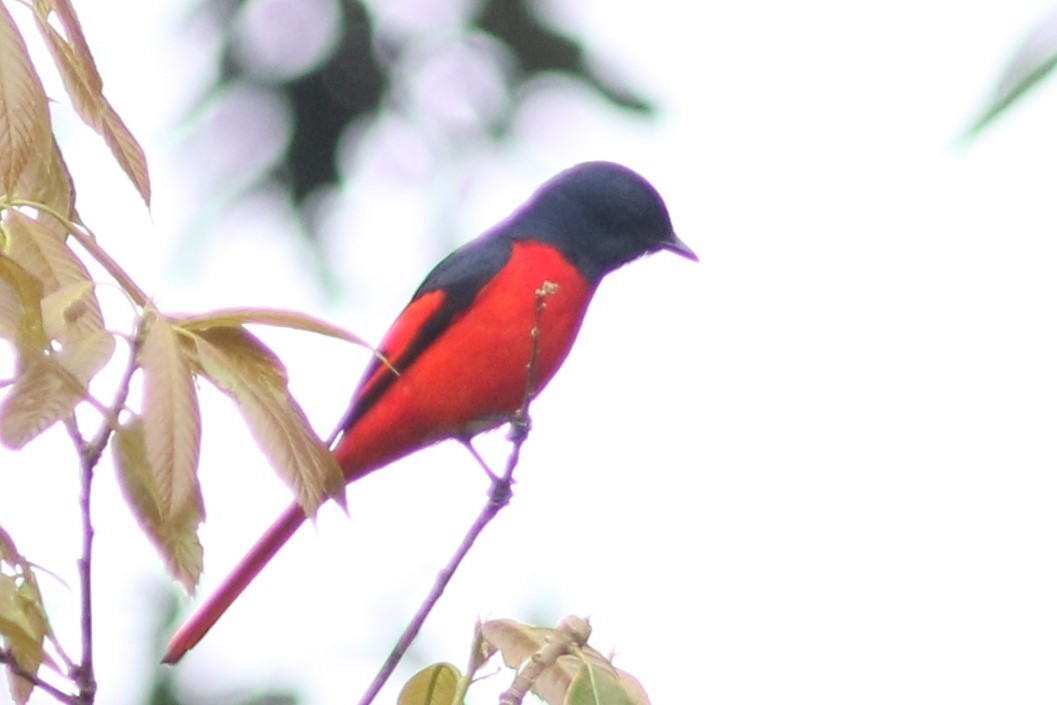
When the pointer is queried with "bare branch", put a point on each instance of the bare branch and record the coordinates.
(90, 452)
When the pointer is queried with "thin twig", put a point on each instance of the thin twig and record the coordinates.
(498, 497)
(90, 452)
(87, 240)
(7, 658)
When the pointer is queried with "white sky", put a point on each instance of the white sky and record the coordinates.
(818, 466)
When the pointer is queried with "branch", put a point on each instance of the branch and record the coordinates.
(7, 658)
(90, 452)
(498, 497)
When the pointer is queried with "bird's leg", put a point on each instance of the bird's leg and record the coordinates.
(468, 444)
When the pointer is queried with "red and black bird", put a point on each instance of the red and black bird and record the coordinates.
(456, 359)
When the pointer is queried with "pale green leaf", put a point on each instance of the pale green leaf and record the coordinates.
(560, 657)
(516, 642)
(522, 646)
(10, 308)
(43, 393)
(46, 180)
(245, 369)
(23, 622)
(126, 151)
(173, 530)
(30, 338)
(81, 79)
(433, 685)
(25, 125)
(553, 683)
(64, 305)
(171, 422)
(269, 317)
(63, 9)
(47, 256)
(86, 356)
(22, 631)
(8, 552)
(632, 688)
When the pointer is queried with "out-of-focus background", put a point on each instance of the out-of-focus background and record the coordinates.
(817, 466)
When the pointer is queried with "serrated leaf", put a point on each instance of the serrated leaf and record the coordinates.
(1034, 59)
(270, 317)
(47, 256)
(81, 79)
(43, 393)
(10, 308)
(172, 424)
(127, 152)
(243, 367)
(433, 685)
(63, 9)
(46, 180)
(173, 530)
(24, 120)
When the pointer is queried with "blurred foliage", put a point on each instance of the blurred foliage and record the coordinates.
(457, 74)
(1033, 60)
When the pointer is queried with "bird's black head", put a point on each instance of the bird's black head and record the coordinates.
(601, 215)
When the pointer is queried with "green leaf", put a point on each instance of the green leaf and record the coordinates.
(245, 369)
(595, 685)
(172, 424)
(22, 630)
(434, 685)
(172, 529)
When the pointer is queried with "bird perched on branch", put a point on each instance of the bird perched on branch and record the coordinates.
(456, 360)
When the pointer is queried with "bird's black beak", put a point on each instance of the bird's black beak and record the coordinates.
(680, 248)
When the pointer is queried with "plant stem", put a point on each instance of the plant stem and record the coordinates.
(90, 454)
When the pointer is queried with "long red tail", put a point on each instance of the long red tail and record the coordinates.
(206, 616)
